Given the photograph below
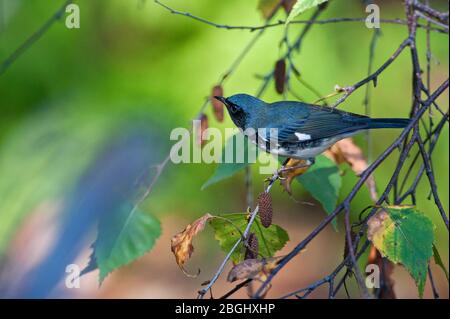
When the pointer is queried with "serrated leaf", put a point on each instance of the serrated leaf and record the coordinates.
(226, 170)
(405, 236)
(323, 181)
(226, 232)
(123, 237)
(438, 261)
(301, 6)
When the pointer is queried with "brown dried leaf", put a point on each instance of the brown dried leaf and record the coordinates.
(347, 151)
(267, 7)
(288, 4)
(334, 153)
(386, 269)
(217, 105)
(280, 76)
(376, 223)
(289, 175)
(253, 269)
(203, 127)
(181, 243)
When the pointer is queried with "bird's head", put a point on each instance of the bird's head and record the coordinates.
(241, 107)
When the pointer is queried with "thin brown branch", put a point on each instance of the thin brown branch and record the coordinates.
(283, 22)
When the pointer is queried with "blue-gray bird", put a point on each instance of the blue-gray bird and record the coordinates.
(303, 130)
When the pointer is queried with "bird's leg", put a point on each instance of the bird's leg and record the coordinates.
(276, 175)
(282, 168)
(308, 163)
(285, 162)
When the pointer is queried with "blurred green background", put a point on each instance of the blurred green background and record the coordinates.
(132, 61)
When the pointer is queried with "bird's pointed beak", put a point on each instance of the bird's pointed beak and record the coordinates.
(221, 99)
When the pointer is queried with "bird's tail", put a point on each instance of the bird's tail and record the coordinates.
(388, 123)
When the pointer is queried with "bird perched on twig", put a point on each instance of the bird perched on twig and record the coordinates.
(295, 129)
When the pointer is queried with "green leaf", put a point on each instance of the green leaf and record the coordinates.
(301, 6)
(323, 182)
(438, 261)
(123, 237)
(239, 159)
(406, 236)
(270, 239)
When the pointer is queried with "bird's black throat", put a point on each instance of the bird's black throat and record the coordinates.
(239, 118)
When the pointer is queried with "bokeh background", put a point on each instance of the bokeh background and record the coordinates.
(133, 66)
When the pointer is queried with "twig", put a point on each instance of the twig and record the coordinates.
(432, 180)
(367, 104)
(236, 288)
(283, 22)
(295, 46)
(328, 279)
(441, 16)
(431, 20)
(433, 285)
(433, 139)
(351, 252)
(374, 76)
(33, 38)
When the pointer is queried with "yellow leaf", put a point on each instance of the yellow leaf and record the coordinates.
(181, 243)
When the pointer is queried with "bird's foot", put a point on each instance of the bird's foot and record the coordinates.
(283, 168)
(278, 174)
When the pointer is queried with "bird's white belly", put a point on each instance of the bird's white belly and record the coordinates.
(302, 153)
(298, 152)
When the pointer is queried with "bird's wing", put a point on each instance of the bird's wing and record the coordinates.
(317, 123)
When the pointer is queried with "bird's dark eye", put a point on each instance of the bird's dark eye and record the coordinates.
(233, 108)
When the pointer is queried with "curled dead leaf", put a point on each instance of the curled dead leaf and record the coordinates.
(291, 172)
(202, 128)
(267, 7)
(288, 5)
(346, 151)
(253, 269)
(217, 105)
(280, 76)
(181, 243)
(386, 290)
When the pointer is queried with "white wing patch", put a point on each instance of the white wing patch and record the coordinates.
(303, 137)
